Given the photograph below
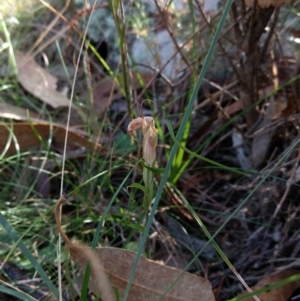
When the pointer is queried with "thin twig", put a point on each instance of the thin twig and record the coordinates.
(168, 61)
(289, 183)
(220, 44)
(237, 30)
(121, 28)
(178, 48)
(49, 27)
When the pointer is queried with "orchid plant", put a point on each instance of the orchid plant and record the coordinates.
(150, 136)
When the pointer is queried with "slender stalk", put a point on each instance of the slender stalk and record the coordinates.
(148, 197)
(148, 179)
(119, 16)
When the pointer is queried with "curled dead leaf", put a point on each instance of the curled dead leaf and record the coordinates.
(21, 136)
(83, 255)
(151, 279)
(281, 293)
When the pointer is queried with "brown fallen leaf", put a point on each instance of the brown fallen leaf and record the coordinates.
(281, 293)
(151, 279)
(27, 138)
(16, 113)
(37, 81)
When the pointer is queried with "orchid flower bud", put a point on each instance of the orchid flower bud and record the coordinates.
(147, 122)
(147, 125)
(134, 125)
(140, 123)
(149, 145)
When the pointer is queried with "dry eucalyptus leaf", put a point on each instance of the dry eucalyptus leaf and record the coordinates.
(38, 81)
(16, 113)
(175, 259)
(24, 136)
(281, 293)
(267, 3)
(151, 279)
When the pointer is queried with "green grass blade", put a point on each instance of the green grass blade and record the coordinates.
(93, 178)
(9, 230)
(212, 237)
(177, 162)
(10, 46)
(87, 273)
(185, 164)
(214, 163)
(18, 294)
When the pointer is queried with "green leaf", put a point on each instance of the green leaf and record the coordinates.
(201, 157)
(27, 253)
(132, 246)
(140, 187)
(123, 144)
(87, 273)
(19, 294)
(137, 227)
(155, 170)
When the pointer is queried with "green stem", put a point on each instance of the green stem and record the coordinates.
(148, 179)
(148, 197)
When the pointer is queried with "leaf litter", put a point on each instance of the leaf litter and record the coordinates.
(37, 81)
(112, 267)
(282, 293)
(22, 136)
